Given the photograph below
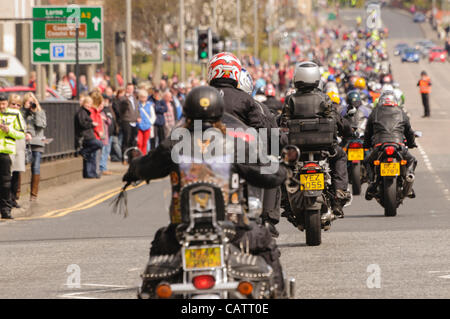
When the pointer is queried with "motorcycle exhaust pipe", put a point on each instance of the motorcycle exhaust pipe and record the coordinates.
(409, 180)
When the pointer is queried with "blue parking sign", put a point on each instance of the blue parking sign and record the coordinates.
(58, 51)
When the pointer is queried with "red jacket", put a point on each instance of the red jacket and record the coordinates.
(97, 118)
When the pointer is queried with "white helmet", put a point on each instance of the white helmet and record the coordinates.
(387, 87)
(246, 82)
(307, 74)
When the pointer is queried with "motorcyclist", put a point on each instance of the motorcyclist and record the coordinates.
(223, 73)
(272, 102)
(310, 102)
(205, 104)
(388, 123)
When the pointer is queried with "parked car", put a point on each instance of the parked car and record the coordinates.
(21, 90)
(437, 54)
(399, 48)
(419, 17)
(411, 55)
(424, 47)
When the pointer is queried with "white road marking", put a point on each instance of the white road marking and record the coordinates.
(78, 295)
(445, 277)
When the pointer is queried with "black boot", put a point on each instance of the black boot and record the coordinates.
(269, 223)
(371, 190)
(6, 214)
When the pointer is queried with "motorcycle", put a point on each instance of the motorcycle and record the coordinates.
(309, 192)
(208, 265)
(394, 182)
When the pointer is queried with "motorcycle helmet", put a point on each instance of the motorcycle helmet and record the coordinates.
(204, 103)
(331, 78)
(307, 75)
(224, 66)
(334, 97)
(388, 99)
(360, 83)
(246, 81)
(387, 87)
(354, 99)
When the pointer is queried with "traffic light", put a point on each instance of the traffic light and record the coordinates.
(215, 44)
(203, 45)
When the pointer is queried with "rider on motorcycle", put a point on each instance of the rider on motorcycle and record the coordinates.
(311, 103)
(205, 104)
(388, 123)
(272, 102)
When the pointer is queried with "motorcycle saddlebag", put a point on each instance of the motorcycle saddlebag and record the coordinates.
(163, 266)
(247, 266)
(312, 134)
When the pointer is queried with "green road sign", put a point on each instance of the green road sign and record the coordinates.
(54, 41)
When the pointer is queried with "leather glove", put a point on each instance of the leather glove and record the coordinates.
(131, 175)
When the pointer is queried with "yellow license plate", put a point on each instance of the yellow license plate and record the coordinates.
(312, 182)
(390, 169)
(202, 258)
(355, 154)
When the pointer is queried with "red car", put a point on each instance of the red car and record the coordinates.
(437, 54)
(21, 90)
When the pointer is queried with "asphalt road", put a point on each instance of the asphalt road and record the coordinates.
(410, 251)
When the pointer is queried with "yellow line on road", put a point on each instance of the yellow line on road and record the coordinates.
(91, 202)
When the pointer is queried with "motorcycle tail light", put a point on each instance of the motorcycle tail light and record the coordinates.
(204, 282)
(390, 159)
(355, 145)
(245, 288)
(403, 162)
(312, 166)
(389, 150)
(376, 163)
(164, 291)
(311, 172)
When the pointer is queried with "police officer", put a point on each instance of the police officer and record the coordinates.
(424, 85)
(388, 123)
(205, 104)
(310, 102)
(11, 129)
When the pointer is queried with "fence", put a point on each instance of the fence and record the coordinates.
(60, 127)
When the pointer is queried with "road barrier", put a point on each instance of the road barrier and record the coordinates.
(61, 128)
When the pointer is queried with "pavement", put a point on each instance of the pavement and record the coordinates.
(93, 253)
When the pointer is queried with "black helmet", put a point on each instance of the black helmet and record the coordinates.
(354, 98)
(204, 103)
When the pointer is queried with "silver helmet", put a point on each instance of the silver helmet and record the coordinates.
(246, 82)
(307, 74)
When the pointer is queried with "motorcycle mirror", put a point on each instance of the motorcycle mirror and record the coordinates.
(418, 134)
(290, 155)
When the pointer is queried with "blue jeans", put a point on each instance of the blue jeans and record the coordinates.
(105, 155)
(89, 151)
(36, 163)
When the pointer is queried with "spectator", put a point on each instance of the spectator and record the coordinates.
(119, 79)
(36, 122)
(84, 129)
(109, 119)
(97, 78)
(83, 85)
(116, 141)
(148, 117)
(11, 130)
(18, 159)
(129, 116)
(32, 82)
(73, 84)
(170, 114)
(160, 108)
(100, 129)
(64, 87)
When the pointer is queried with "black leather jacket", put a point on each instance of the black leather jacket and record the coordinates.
(388, 124)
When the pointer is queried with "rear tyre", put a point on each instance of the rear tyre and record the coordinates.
(390, 197)
(313, 228)
(356, 178)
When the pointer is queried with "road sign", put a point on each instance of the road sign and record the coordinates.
(54, 41)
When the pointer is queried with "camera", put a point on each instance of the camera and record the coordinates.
(33, 105)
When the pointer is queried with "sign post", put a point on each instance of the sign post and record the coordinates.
(56, 41)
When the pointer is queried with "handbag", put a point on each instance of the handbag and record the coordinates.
(28, 154)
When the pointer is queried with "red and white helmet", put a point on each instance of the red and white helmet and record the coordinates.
(224, 65)
(270, 90)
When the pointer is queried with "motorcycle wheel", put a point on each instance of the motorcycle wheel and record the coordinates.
(390, 197)
(356, 179)
(313, 228)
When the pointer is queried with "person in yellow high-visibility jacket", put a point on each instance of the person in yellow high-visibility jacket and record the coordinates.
(11, 129)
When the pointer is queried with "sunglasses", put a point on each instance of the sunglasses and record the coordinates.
(16, 104)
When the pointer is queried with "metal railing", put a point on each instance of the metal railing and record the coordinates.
(61, 128)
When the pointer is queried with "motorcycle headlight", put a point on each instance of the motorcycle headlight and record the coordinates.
(255, 207)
